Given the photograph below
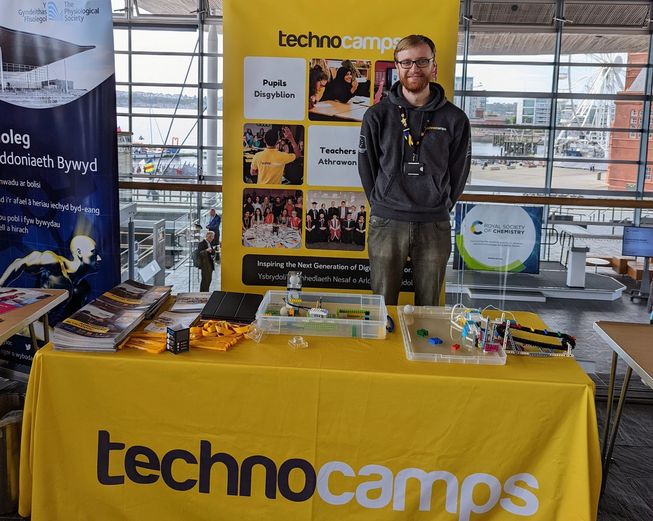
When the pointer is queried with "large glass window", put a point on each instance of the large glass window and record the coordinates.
(568, 122)
(555, 92)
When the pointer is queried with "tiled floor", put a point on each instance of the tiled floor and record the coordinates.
(629, 491)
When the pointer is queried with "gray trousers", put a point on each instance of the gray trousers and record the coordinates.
(391, 242)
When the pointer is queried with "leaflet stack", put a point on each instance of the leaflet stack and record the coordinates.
(102, 324)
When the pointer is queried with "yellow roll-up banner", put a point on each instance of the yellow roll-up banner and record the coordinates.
(292, 195)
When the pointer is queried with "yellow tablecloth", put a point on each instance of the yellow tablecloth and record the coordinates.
(346, 429)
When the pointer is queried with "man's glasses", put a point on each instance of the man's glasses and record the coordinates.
(420, 62)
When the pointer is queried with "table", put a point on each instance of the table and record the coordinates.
(596, 262)
(338, 110)
(20, 318)
(345, 429)
(632, 343)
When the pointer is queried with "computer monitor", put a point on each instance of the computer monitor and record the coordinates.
(637, 242)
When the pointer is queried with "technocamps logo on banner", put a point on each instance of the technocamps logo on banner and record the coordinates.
(143, 466)
(335, 41)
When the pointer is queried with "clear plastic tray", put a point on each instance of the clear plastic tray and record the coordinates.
(437, 321)
(350, 315)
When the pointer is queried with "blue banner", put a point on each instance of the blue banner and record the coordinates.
(59, 224)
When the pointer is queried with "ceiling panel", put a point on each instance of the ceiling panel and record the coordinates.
(503, 43)
(176, 7)
(513, 13)
(607, 13)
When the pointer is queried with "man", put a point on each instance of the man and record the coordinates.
(333, 210)
(348, 226)
(315, 215)
(54, 271)
(413, 161)
(268, 165)
(342, 211)
(205, 253)
(214, 226)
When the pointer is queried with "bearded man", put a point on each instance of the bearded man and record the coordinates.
(413, 161)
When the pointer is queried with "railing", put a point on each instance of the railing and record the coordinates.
(143, 246)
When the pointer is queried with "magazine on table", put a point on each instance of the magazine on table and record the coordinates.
(98, 326)
(14, 298)
(190, 301)
(102, 324)
(136, 295)
(167, 319)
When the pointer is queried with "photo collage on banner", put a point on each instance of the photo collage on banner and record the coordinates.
(58, 153)
(292, 194)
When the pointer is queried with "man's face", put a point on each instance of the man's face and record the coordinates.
(415, 79)
(88, 254)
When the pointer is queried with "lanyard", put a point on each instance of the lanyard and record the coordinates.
(408, 137)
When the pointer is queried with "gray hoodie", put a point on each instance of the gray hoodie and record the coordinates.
(445, 152)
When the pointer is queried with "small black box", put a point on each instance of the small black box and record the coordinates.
(177, 339)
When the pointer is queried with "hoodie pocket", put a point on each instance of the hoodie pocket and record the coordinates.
(414, 193)
(386, 190)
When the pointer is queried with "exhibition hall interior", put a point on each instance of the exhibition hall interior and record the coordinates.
(558, 97)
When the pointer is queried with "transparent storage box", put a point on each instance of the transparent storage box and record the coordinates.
(349, 315)
(437, 322)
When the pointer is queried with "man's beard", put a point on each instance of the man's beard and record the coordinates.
(414, 86)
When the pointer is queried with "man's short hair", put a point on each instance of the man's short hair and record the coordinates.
(413, 40)
(271, 137)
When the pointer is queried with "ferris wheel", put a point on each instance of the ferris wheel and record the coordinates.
(603, 76)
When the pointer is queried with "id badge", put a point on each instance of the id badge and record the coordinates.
(413, 168)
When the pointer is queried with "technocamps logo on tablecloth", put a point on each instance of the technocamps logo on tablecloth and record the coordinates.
(498, 238)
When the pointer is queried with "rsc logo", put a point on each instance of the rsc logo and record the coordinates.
(474, 228)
